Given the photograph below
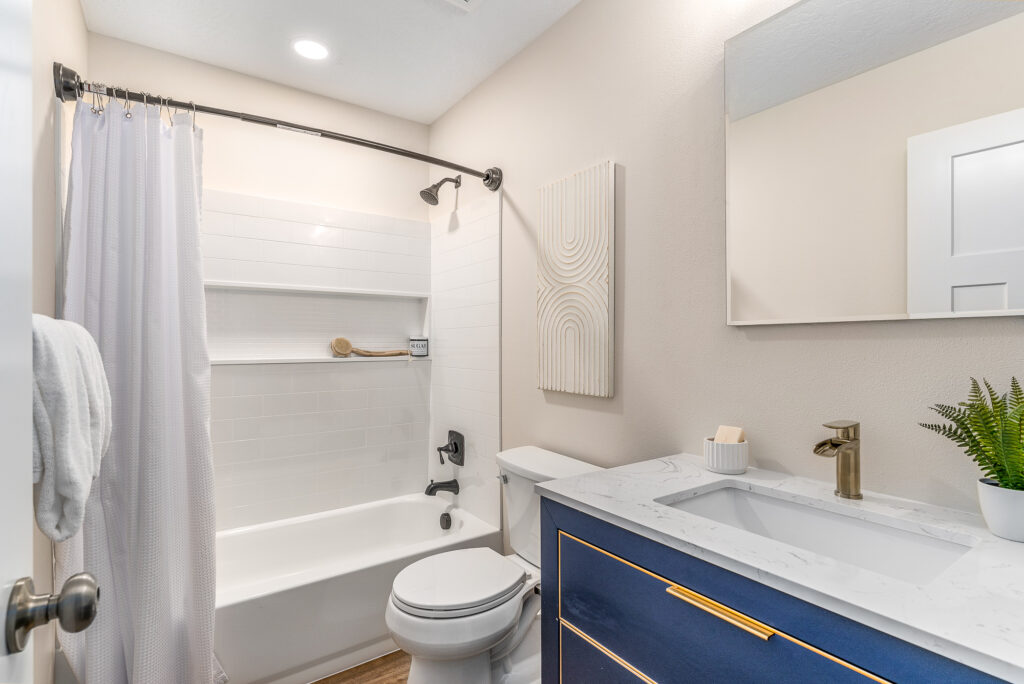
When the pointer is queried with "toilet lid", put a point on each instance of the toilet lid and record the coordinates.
(458, 580)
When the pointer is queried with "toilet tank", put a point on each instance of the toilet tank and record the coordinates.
(523, 467)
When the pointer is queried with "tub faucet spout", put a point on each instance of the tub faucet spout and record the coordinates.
(447, 486)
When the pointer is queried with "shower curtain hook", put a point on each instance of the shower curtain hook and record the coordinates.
(97, 99)
(127, 104)
(193, 115)
(164, 105)
(145, 105)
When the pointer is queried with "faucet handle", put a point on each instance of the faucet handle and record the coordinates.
(845, 429)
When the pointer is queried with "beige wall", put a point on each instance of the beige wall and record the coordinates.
(256, 160)
(641, 83)
(826, 174)
(58, 35)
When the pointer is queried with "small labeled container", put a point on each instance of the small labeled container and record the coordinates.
(418, 346)
(724, 458)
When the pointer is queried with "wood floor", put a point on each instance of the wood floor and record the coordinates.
(390, 669)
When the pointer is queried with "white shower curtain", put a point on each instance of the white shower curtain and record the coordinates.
(134, 281)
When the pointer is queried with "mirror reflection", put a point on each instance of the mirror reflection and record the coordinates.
(876, 162)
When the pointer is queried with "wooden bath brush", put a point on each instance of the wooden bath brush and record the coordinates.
(342, 347)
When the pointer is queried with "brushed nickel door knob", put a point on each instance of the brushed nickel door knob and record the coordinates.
(74, 608)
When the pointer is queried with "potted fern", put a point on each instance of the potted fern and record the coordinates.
(988, 427)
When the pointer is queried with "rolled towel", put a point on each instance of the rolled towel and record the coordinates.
(72, 420)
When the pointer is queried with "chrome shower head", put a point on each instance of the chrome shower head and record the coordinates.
(429, 195)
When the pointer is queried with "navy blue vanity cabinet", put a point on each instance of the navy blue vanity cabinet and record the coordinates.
(618, 607)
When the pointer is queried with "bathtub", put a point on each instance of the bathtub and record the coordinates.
(303, 598)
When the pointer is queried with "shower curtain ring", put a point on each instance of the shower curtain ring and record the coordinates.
(97, 99)
(193, 115)
(163, 106)
(127, 104)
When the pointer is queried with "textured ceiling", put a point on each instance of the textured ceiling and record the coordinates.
(410, 58)
(816, 43)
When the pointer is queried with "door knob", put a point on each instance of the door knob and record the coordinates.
(74, 607)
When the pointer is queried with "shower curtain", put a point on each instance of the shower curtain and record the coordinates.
(134, 281)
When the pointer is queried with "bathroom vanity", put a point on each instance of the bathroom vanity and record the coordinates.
(661, 571)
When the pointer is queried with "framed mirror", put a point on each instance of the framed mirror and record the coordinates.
(875, 162)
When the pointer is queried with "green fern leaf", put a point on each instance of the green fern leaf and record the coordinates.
(1016, 395)
(989, 427)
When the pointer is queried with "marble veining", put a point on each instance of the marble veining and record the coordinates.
(972, 612)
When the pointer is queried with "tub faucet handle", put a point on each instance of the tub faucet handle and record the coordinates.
(455, 448)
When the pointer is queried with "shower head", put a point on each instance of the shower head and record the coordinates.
(429, 195)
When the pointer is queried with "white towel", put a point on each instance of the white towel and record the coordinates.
(71, 416)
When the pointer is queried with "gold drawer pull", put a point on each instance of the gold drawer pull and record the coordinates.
(734, 618)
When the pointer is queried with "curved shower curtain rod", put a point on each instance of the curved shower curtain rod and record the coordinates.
(69, 86)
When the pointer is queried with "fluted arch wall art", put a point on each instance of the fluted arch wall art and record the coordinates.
(575, 283)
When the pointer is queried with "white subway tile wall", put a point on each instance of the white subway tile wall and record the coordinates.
(261, 240)
(465, 347)
(292, 439)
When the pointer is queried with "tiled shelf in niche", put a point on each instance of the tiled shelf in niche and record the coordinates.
(307, 289)
(351, 359)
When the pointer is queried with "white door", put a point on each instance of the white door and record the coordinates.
(965, 218)
(15, 314)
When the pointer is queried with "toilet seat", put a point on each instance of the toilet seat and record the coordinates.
(457, 584)
(470, 630)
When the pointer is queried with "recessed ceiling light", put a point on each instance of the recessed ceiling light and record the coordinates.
(310, 49)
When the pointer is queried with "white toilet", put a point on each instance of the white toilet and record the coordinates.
(470, 616)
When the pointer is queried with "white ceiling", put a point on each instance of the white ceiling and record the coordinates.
(410, 58)
(816, 43)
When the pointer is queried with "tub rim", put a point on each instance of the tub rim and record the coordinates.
(472, 527)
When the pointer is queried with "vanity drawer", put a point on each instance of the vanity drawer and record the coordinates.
(670, 633)
(583, 660)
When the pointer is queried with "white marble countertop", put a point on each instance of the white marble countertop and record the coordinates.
(972, 612)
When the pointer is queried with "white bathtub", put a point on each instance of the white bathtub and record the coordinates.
(303, 598)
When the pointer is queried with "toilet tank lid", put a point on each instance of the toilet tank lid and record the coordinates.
(541, 465)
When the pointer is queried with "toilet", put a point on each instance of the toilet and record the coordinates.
(470, 616)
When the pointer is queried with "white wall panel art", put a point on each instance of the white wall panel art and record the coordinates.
(575, 283)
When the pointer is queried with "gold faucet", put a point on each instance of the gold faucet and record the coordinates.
(845, 447)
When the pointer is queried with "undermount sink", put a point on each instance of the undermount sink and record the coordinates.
(908, 556)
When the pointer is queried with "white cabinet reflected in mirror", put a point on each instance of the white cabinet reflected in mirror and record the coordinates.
(876, 162)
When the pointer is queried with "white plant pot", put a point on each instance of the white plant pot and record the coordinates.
(1003, 509)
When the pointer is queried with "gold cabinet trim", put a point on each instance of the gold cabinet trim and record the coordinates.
(707, 602)
(722, 612)
(603, 649)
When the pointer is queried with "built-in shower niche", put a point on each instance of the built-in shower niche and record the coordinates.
(295, 430)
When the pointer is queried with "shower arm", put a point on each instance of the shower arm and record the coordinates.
(69, 86)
